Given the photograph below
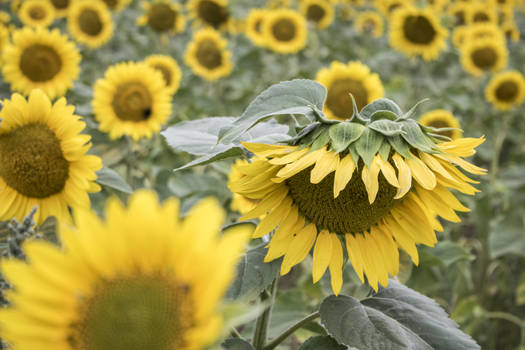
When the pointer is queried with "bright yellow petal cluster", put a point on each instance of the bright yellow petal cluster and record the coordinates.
(253, 29)
(506, 90)
(90, 22)
(239, 202)
(36, 13)
(169, 69)
(487, 54)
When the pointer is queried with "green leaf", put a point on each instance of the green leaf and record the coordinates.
(449, 253)
(110, 178)
(188, 184)
(322, 343)
(386, 115)
(253, 274)
(412, 110)
(236, 344)
(224, 153)
(507, 236)
(399, 145)
(396, 318)
(520, 290)
(368, 145)
(384, 151)
(387, 127)
(343, 134)
(416, 138)
(289, 97)
(383, 104)
(322, 139)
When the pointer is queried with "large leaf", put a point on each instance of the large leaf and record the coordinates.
(449, 252)
(253, 274)
(110, 178)
(236, 344)
(507, 235)
(189, 184)
(289, 97)
(322, 343)
(416, 138)
(396, 318)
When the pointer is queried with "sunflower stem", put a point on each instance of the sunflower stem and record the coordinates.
(280, 338)
(263, 321)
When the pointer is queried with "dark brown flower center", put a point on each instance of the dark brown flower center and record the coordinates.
(162, 17)
(350, 212)
(507, 91)
(40, 62)
(89, 22)
(111, 3)
(209, 54)
(315, 13)
(60, 4)
(133, 102)
(460, 18)
(484, 57)
(166, 73)
(338, 99)
(480, 17)
(212, 13)
(37, 12)
(32, 162)
(419, 30)
(284, 30)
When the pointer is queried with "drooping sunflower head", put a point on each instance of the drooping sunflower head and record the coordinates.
(131, 99)
(417, 32)
(208, 56)
(90, 22)
(370, 23)
(341, 80)
(40, 59)
(169, 68)
(213, 13)
(36, 13)
(374, 184)
(140, 279)
(43, 159)
(444, 120)
(163, 16)
(285, 31)
(319, 12)
(61, 6)
(239, 202)
(116, 5)
(506, 90)
(484, 54)
(253, 28)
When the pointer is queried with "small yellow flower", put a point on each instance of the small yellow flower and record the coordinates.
(482, 55)
(163, 16)
(169, 68)
(212, 13)
(319, 12)
(506, 90)
(285, 31)
(90, 23)
(36, 13)
(440, 118)
(370, 23)
(253, 29)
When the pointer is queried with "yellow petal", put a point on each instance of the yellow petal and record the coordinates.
(423, 175)
(343, 174)
(299, 165)
(326, 164)
(371, 181)
(388, 171)
(322, 255)
(354, 254)
(267, 204)
(405, 241)
(299, 248)
(290, 157)
(336, 264)
(404, 176)
(270, 221)
(434, 164)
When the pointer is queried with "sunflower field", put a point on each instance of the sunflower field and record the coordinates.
(262, 174)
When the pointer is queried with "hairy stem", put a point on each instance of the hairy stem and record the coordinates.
(263, 321)
(274, 343)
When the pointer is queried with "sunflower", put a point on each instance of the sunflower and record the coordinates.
(506, 90)
(373, 198)
(131, 99)
(442, 119)
(240, 203)
(285, 31)
(116, 5)
(208, 56)
(370, 23)
(253, 29)
(484, 54)
(40, 59)
(90, 22)
(140, 279)
(511, 31)
(163, 16)
(213, 13)
(481, 12)
(43, 159)
(341, 80)
(36, 13)
(169, 69)
(4, 39)
(417, 32)
(277, 4)
(459, 10)
(319, 12)
(61, 6)
(437, 5)
(484, 30)
(388, 7)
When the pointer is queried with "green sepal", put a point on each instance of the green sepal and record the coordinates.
(429, 129)
(399, 146)
(343, 134)
(353, 152)
(384, 151)
(368, 145)
(439, 137)
(305, 134)
(319, 116)
(412, 110)
(383, 104)
(356, 114)
(387, 127)
(380, 115)
(321, 140)
(416, 138)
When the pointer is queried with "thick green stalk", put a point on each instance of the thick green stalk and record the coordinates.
(263, 321)
(274, 343)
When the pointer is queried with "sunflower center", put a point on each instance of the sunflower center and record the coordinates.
(134, 314)
(208, 54)
(89, 22)
(484, 57)
(111, 3)
(60, 4)
(37, 12)
(32, 162)
(212, 13)
(441, 124)
(369, 25)
(315, 13)
(350, 212)
(460, 18)
(133, 102)
(284, 30)
(40, 62)
(161, 17)
(338, 99)
(166, 73)
(507, 91)
(419, 30)
(481, 17)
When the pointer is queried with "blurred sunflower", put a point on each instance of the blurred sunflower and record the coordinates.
(43, 159)
(506, 90)
(285, 31)
(459, 10)
(484, 30)
(90, 22)
(481, 12)
(131, 99)
(213, 13)
(253, 29)
(4, 39)
(208, 56)
(442, 119)
(481, 55)
(116, 5)
(61, 6)
(36, 13)
(511, 31)
(341, 80)
(140, 279)
(437, 5)
(239, 202)
(163, 16)
(169, 69)
(319, 198)
(319, 12)
(416, 31)
(388, 7)
(40, 59)
(5, 20)
(370, 23)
